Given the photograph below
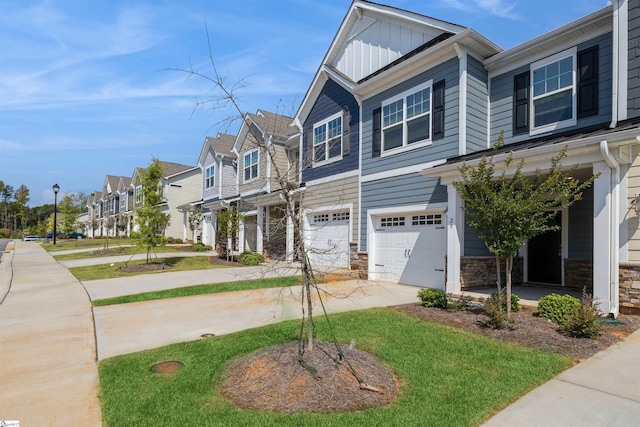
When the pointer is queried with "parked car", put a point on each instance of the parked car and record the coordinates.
(32, 238)
(59, 235)
(77, 235)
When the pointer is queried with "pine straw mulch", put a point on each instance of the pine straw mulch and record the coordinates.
(273, 379)
(528, 329)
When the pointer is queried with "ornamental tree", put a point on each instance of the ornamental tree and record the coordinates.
(149, 217)
(508, 209)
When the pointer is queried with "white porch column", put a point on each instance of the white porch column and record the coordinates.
(213, 234)
(455, 226)
(290, 249)
(260, 231)
(185, 226)
(240, 238)
(602, 220)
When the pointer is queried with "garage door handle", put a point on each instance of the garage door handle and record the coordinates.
(405, 253)
(438, 269)
(409, 253)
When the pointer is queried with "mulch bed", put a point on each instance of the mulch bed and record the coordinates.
(273, 379)
(528, 329)
(137, 268)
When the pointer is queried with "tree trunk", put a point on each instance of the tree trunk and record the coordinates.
(508, 268)
(499, 279)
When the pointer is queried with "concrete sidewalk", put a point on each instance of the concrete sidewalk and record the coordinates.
(604, 390)
(84, 262)
(48, 369)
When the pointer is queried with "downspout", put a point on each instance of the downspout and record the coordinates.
(616, 69)
(614, 255)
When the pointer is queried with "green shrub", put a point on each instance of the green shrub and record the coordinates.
(495, 307)
(174, 240)
(585, 322)
(458, 303)
(251, 258)
(558, 308)
(199, 247)
(433, 298)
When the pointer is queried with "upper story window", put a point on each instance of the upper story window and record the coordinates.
(409, 120)
(556, 92)
(250, 165)
(327, 139)
(406, 118)
(209, 179)
(138, 194)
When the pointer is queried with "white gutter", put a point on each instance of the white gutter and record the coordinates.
(614, 256)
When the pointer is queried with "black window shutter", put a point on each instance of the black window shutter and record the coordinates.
(346, 132)
(377, 132)
(521, 103)
(438, 110)
(588, 82)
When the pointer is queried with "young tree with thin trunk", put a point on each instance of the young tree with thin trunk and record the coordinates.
(149, 217)
(508, 209)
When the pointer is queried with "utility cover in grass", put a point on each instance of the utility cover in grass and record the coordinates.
(273, 379)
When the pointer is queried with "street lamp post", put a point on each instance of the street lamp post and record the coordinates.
(56, 188)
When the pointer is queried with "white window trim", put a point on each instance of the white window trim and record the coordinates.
(244, 180)
(313, 145)
(212, 177)
(403, 96)
(573, 52)
(137, 198)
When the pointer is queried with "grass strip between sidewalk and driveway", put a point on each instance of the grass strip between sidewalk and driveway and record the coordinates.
(447, 377)
(110, 271)
(68, 244)
(112, 251)
(214, 288)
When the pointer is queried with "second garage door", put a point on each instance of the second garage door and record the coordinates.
(410, 249)
(327, 240)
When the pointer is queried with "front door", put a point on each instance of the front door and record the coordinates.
(545, 255)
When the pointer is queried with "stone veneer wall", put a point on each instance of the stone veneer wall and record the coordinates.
(363, 265)
(481, 271)
(629, 278)
(354, 261)
(578, 273)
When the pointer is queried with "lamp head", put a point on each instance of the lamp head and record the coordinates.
(56, 188)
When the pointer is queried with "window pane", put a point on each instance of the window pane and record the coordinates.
(393, 137)
(335, 128)
(254, 157)
(319, 134)
(554, 108)
(247, 159)
(335, 148)
(254, 171)
(247, 174)
(418, 129)
(319, 152)
(418, 103)
(392, 113)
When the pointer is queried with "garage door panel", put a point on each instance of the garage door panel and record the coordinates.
(328, 240)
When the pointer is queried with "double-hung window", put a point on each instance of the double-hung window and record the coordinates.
(406, 119)
(553, 84)
(327, 139)
(138, 197)
(251, 160)
(210, 176)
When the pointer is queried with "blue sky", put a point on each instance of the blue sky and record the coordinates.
(84, 90)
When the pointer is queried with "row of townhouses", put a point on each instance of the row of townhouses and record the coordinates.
(398, 104)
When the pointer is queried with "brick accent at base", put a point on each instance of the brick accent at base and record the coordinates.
(578, 273)
(629, 278)
(481, 271)
(363, 265)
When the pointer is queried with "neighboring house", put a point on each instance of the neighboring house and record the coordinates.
(267, 149)
(125, 217)
(218, 167)
(111, 206)
(91, 222)
(180, 185)
(329, 117)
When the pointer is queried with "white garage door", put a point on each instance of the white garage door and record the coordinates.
(327, 240)
(410, 249)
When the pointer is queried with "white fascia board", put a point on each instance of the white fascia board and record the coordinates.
(182, 172)
(521, 54)
(400, 171)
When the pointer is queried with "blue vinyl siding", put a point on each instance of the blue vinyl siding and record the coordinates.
(439, 149)
(633, 89)
(473, 245)
(332, 99)
(501, 95)
(411, 189)
(477, 105)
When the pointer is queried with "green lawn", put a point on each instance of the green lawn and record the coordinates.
(108, 271)
(114, 250)
(202, 290)
(67, 244)
(447, 377)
